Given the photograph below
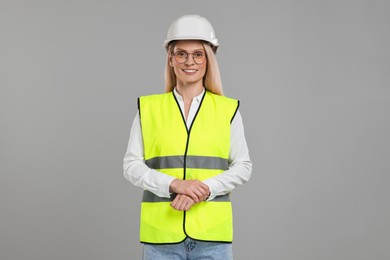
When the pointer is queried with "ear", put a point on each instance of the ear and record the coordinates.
(170, 59)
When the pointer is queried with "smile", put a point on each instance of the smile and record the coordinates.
(189, 71)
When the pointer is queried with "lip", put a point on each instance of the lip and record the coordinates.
(189, 71)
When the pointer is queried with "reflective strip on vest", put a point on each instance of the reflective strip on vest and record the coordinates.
(195, 162)
(151, 197)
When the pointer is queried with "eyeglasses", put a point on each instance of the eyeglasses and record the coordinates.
(199, 57)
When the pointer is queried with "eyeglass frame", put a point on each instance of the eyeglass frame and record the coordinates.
(187, 53)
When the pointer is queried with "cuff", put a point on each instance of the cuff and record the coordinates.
(161, 185)
(211, 184)
(167, 182)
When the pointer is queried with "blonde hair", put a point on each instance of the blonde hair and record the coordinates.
(211, 80)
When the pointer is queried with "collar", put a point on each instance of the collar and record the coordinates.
(196, 98)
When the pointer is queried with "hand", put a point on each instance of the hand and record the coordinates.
(182, 202)
(196, 190)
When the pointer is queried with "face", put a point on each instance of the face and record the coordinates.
(190, 71)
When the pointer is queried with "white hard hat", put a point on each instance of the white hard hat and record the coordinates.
(192, 27)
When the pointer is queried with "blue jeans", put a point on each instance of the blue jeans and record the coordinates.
(189, 249)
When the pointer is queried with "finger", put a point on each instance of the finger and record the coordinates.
(187, 207)
(176, 204)
(183, 204)
(204, 188)
(200, 187)
(189, 204)
(193, 196)
(199, 195)
(177, 201)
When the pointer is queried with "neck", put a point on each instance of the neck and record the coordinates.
(189, 91)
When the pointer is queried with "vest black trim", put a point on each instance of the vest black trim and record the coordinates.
(235, 112)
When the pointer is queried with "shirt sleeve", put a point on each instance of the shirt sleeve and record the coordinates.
(136, 171)
(240, 165)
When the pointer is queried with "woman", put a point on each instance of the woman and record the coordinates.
(187, 150)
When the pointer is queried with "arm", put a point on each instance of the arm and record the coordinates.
(137, 172)
(240, 165)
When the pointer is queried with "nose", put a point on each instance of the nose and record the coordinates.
(190, 61)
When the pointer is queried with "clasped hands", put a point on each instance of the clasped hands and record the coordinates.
(188, 193)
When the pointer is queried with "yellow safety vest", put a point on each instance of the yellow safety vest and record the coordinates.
(200, 152)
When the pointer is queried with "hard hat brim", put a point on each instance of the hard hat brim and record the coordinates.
(167, 41)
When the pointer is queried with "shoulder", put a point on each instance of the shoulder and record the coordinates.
(155, 96)
(223, 99)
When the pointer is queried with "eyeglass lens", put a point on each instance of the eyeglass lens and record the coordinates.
(182, 56)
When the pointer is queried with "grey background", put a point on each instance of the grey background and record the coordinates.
(313, 80)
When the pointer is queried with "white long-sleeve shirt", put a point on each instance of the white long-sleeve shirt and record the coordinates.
(139, 174)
